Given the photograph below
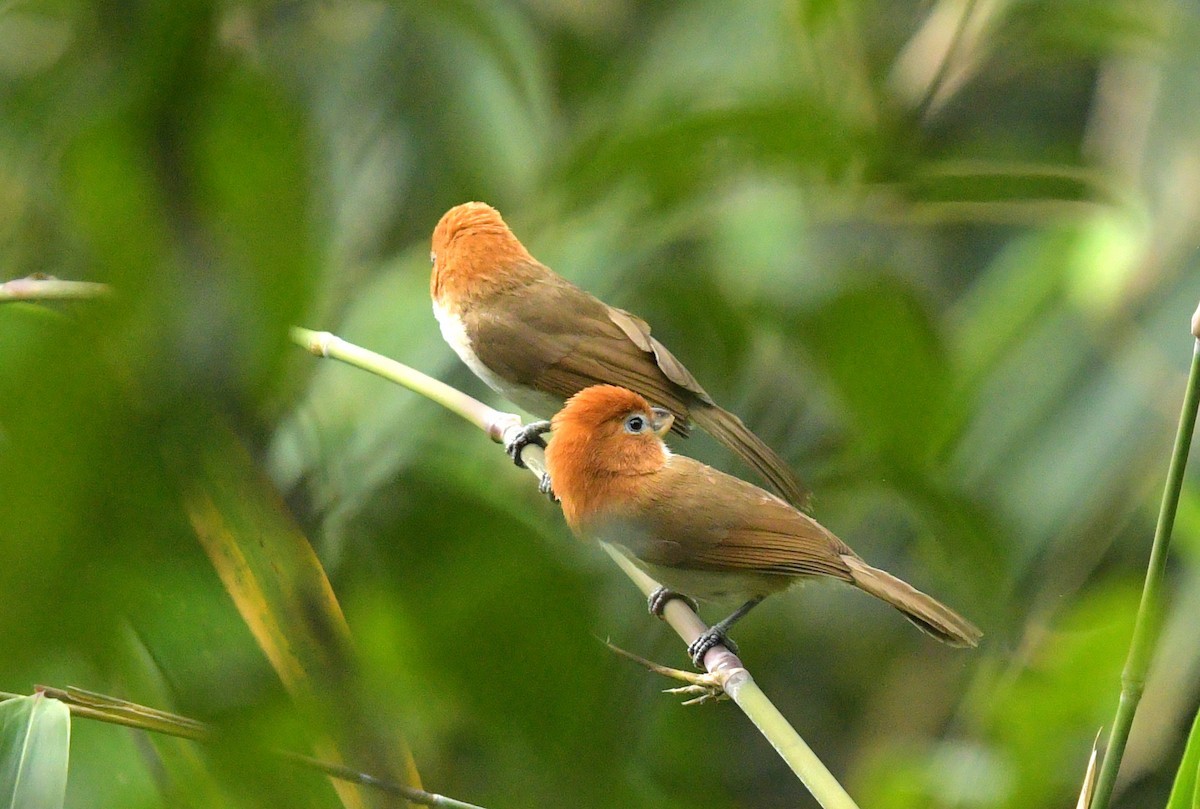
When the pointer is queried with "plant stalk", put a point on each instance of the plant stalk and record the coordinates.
(35, 288)
(726, 669)
(1146, 626)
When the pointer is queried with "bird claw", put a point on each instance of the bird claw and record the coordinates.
(658, 600)
(531, 433)
(715, 636)
(546, 488)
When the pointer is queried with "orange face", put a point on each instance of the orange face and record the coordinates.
(602, 444)
(612, 430)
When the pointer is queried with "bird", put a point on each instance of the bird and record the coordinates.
(700, 532)
(537, 339)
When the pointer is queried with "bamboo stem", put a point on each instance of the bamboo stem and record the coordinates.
(323, 344)
(35, 288)
(725, 667)
(1146, 626)
(737, 682)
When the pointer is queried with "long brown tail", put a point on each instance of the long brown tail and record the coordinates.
(730, 431)
(929, 614)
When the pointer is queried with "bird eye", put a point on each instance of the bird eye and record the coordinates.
(432, 257)
(635, 424)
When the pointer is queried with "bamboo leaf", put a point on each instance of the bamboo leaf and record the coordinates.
(1184, 793)
(1088, 789)
(35, 735)
(280, 588)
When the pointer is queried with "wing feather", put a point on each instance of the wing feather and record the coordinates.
(559, 339)
(693, 516)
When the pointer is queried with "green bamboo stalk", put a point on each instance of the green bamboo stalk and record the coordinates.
(1146, 626)
(323, 344)
(729, 673)
(725, 669)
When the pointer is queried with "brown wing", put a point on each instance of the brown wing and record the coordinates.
(692, 516)
(551, 336)
(638, 331)
(556, 338)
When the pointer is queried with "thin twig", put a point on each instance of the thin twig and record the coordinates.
(116, 711)
(722, 665)
(1146, 626)
(39, 288)
(949, 57)
(323, 344)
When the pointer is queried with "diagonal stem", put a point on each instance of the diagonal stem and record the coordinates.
(1146, 626)
(725, 667)
(39, 288)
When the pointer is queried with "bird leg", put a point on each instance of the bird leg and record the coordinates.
(718, 633)
(531, 433)
(657, 601)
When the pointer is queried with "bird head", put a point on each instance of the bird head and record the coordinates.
(605, 430)
(474, 253)
(603, 443)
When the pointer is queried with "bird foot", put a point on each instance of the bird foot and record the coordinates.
(715, 636)
(657, 601)
(547, 488)
(531, 433)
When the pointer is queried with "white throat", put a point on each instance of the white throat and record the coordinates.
(454, 332)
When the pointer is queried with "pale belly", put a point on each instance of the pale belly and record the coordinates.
(533, 401)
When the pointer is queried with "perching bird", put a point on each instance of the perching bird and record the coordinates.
(699, 531)
(538, 339)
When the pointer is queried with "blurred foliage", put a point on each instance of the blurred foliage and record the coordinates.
(944, 265)
(1185, 791)
(33, 768)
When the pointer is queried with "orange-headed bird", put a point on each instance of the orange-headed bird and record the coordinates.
(538, 339)
(699, 531)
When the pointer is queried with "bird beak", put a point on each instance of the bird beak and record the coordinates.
(661, 421)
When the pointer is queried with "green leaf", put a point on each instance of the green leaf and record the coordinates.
(883, 353)
(1184, 794)
(285, 598)
(35, 736)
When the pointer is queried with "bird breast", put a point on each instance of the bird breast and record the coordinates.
(454, 332)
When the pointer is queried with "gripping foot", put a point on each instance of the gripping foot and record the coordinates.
(718, 633)
(657, 601)
(531, 433)
(715, 636)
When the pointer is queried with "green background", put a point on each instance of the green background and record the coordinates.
(945, 268)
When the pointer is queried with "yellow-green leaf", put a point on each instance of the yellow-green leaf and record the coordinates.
(282, 593)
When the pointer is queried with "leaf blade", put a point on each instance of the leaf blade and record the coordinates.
(1184, 794)
(35, 736)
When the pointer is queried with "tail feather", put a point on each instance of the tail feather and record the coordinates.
(926, 612)
(730, 431)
